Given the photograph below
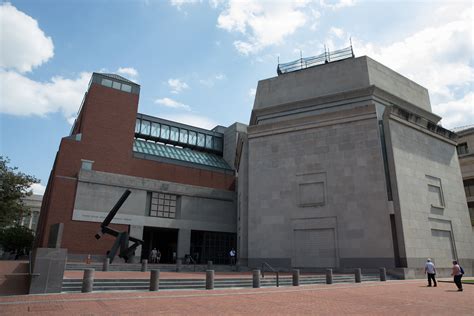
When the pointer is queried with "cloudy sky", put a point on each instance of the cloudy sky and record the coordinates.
(199, 61)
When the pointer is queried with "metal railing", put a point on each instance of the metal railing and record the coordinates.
(309, 62)
(277, 273)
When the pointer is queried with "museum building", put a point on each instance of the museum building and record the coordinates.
(342, 165)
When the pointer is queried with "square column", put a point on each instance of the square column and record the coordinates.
(184, 242)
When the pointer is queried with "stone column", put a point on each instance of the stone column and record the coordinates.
(144, 265)
(184, 243)
(296, 277)
(154, 280)
(256, 278)
(358, 275)
(209, 279)
(329, 276)
(209, 265)
(178, 265)
(137, 232)
(105, 266)
(88, 281)
(383, 274)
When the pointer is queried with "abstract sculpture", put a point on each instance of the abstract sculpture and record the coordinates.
(121, 238)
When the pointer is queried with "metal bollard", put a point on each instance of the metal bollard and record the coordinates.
(296, 277)
(178, 265)
(105, 266)
(88, 281)
(278, 278)
(209, 279)
(256, 278)
(209, 265)
(328, 276)
(383, 274)
(144, 265)
(358, 275)
(154, 280)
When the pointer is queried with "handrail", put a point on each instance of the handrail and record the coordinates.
(263, 268)
(193, 261)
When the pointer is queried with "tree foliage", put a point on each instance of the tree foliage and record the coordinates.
(14, 186)
(16, 239)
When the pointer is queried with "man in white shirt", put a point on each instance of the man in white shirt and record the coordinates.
(430, 270)
(232, 256)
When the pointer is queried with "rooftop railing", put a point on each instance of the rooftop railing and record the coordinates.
(308, 62)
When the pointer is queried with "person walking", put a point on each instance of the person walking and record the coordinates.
(154, 255)
(158, 256)
(232, 256)
(430, 271)
(457, 274)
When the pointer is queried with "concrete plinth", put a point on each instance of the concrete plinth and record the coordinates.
(48, 270)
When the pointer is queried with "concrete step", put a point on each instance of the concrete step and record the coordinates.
(74, 285)
(162, 267)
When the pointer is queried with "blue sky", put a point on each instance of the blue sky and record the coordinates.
(198, 62)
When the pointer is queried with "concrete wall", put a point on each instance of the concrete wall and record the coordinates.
(318, 178)
(433, 225)
(337, 77)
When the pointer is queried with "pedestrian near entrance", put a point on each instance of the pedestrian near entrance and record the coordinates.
(430, 271)
(158, 256)
(232, 256)
(154, 256)
(457, 274)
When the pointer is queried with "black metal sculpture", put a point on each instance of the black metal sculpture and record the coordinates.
(121, 238)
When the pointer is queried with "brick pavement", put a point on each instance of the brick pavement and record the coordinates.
(371, 298)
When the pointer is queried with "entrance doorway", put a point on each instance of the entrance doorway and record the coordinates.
(163, 239)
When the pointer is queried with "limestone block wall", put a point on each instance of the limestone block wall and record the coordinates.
(430, 202)
(317, 194)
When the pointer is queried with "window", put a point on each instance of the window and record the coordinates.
(86, 164)
(192, 138)
(183, 136)
(126, 87)
(107, 83)
(155, 129)
(174, 134)
(163, 205)
(218, 143)
(165, 131)
(208, 141)
(137, 126)
(145, 128)
(435, 192)
(200, 140)
(116, 85)
(462, 149)
(469, 187)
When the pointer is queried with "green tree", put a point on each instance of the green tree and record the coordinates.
(16, 239)
(14, 186)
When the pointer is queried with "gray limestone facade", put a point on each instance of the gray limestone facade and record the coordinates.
(344, 166)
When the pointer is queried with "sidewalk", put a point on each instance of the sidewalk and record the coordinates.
(410, 297)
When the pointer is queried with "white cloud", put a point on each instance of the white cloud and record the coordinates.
(170, 103)
(23, 96)
(130, 72)
(438, 57)
(23, 44)
(193, 120)
(252, 93)
(209, 82)
(179, 3)
(339, 33)
(262, 23)
(336, 4)
(38, 188)
(177, 85)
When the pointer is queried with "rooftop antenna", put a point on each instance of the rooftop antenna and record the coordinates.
(325, 55)
(301, 59)
(278, 66)
(352, 50)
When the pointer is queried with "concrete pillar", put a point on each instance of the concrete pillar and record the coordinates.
(296, 277)
(144, 265)
(383, 274)
(209, 265)
(358, 275)
(88, 281)
(329, 276)
(178, 265)
(105, 265)
(184, 243)
(137, 232)
(154, 280)
(209, 279)
(256, 278)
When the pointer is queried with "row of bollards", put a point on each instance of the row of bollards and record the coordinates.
(88, 278)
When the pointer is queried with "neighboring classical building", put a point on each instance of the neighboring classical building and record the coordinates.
(343, 165)
(466, 160)
(33, 204)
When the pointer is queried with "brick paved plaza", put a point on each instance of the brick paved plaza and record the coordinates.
(374, 298)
